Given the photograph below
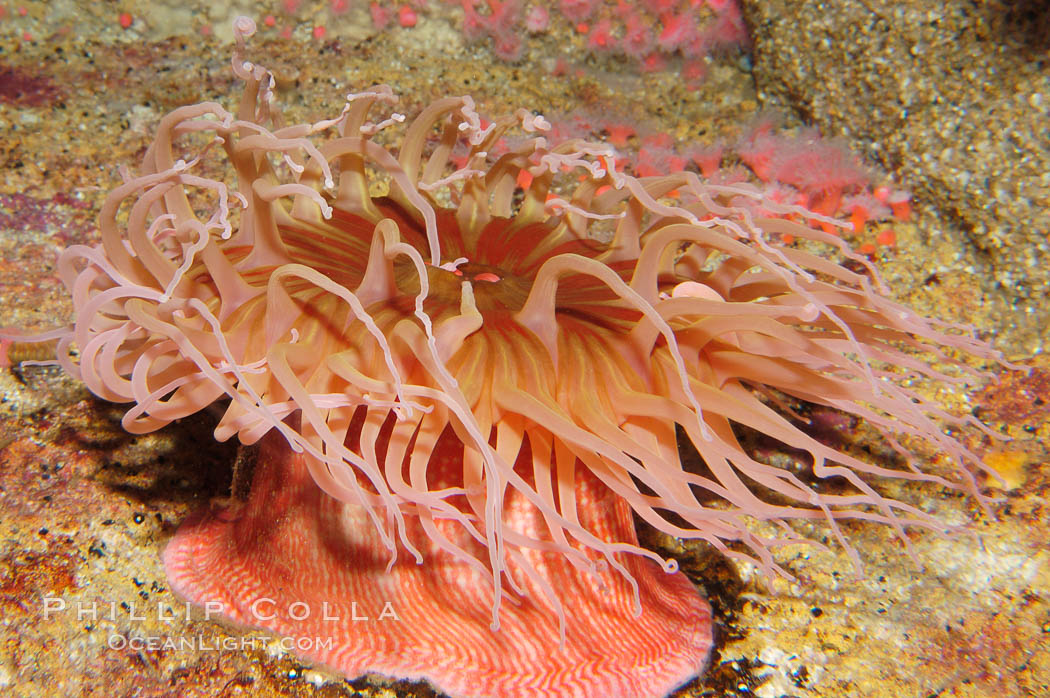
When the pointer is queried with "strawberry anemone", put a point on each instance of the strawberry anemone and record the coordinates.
(468, 355)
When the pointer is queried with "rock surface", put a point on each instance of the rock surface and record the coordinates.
(86, 508)
(953, 97)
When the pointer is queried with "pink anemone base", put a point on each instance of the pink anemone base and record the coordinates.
(295, 561)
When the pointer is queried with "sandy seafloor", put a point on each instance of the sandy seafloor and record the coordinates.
(86, 508)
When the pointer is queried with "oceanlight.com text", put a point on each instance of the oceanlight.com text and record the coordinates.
(200, 643)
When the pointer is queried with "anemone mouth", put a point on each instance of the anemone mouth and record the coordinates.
(500, 262)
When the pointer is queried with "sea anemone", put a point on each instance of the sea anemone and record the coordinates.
(460, 352)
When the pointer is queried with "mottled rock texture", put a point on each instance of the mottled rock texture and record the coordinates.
(954, 98)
